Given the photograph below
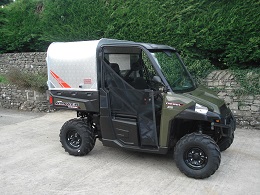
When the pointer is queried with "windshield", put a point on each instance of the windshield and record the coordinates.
(174, 71)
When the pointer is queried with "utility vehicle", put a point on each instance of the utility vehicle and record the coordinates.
(137, 96)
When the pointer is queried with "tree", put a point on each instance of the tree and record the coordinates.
(4, 2)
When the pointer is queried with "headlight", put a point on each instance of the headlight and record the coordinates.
(201, 109)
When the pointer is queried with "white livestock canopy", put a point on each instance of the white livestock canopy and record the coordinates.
(72, 65)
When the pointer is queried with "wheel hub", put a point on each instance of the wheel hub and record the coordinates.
(196, 158)
(73, 139)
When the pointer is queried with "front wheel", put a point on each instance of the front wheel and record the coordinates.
(197, 155)
(77, 137)
(225, 142)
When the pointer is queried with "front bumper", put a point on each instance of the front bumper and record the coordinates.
(227, 124)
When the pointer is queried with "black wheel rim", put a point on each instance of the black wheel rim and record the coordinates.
(195, 158)
(73, 139)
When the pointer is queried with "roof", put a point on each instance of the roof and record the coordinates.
(149, 46)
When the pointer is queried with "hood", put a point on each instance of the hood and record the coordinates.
(206, 97)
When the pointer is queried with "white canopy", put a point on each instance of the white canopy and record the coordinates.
(72, 65)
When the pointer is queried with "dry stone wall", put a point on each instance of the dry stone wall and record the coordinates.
(23, 99)
(27, 62)
(245, 108)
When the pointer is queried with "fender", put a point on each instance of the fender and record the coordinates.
(192, 115)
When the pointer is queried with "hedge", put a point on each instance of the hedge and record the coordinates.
(223, 32)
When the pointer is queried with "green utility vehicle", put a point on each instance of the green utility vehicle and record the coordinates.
(137, 96)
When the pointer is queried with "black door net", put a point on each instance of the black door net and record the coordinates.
(124, 99)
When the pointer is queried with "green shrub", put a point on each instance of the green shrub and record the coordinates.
(223, 32)
(70, 20)
(3, 79)
(28, 80)
(249, 79)
(199, 69)
(4, 2)
(21, 29)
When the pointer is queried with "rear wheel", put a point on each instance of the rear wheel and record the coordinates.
(197, 155)
(77, 137)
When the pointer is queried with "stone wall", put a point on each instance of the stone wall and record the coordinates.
(27, 62)
(13, 98)
(245, 108)
(21, 99)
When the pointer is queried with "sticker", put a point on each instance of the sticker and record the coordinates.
(173, 104)
(67, 104)
(88, 81)
(62, 83)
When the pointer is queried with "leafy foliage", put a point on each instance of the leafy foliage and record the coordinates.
(3, 79)
(21, 27)
(70, 20)
(199, 69)
(206, 32)
(4, 2)
(249, 80)
(27, 80)
(224, 32)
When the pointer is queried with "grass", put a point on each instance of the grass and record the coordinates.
(3, 79)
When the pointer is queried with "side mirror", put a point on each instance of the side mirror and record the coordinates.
(165, 89)
(157, 79)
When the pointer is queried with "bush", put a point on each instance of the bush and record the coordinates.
(199, 69)
(222, 32)
(21, 29)
(4, 2)
(72, 20)
(28, 80)
(249, 80)
(3, 79)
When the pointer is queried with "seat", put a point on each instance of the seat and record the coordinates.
(116, 68)
(140, 83)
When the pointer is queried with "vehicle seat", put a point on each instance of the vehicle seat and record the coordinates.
(140, 83)
(115, 67)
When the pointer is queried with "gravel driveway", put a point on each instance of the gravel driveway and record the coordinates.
(32, 161)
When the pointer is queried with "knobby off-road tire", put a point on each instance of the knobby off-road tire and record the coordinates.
(197, 155)
(225, 142)
(77, 137)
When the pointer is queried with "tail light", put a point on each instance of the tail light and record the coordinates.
(50, 99)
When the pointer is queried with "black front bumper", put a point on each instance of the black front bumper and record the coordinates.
(227, 124)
